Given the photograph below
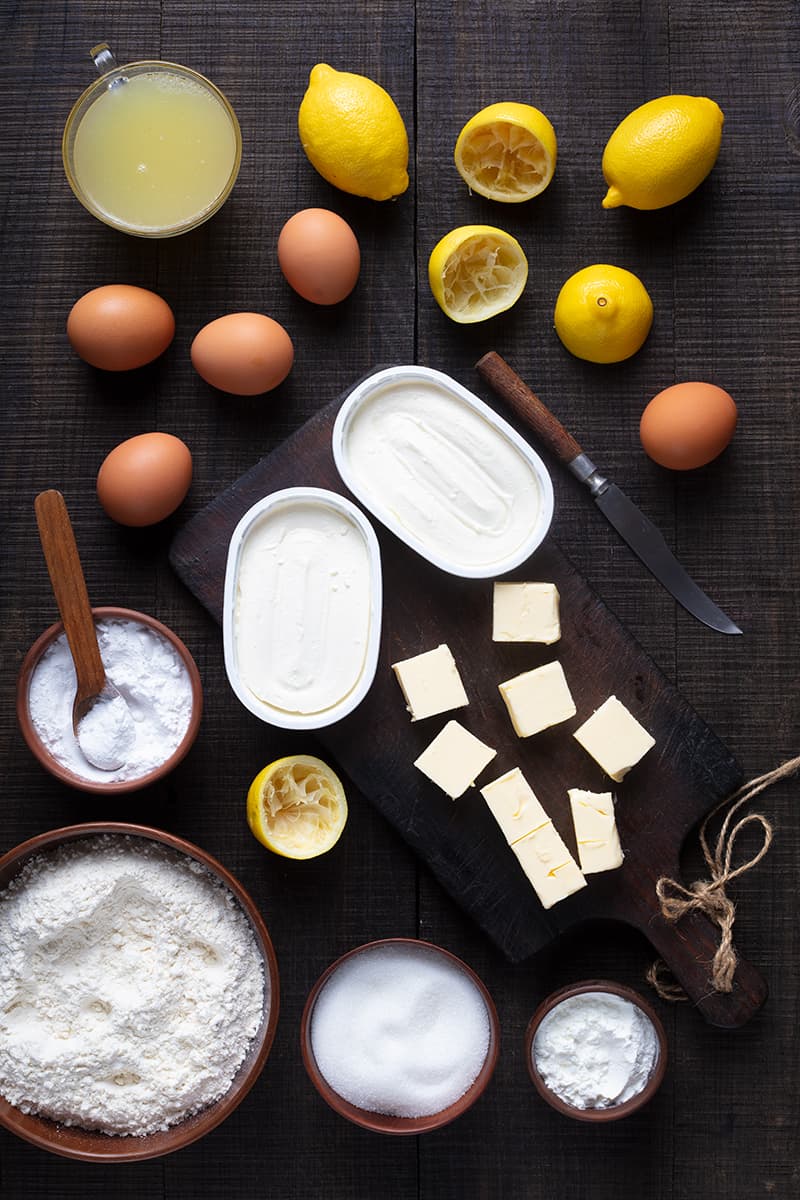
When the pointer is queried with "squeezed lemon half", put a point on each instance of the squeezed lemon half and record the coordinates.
(477, 271)
(507, 152)
(296, 807)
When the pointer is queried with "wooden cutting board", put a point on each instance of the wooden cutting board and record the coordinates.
(687, 772)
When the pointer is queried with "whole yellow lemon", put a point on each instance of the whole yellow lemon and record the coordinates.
(662, 151)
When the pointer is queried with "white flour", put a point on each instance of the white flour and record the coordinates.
(150, 675)
(595, 1050)
(131, 986)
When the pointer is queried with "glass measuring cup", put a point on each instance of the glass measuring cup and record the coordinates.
(151, 148)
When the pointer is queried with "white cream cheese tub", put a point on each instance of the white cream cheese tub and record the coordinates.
(443, 471)
(302, 608)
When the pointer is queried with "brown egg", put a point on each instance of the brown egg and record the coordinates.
(120, 327)
(243, 353)
(145, 478)
(319, 255)
(687, 425)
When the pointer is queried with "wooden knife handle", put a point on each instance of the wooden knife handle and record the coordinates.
(527, 406)
(69, 589)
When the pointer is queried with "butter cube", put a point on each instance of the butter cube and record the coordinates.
(513, 805)
(538, 699)
(526, 612)
(596, 831)
(431, 683)
(549, 865)
(614, 738)
(454, 759)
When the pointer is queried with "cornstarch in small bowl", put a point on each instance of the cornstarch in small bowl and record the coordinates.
(596, 1051)
(131, 986)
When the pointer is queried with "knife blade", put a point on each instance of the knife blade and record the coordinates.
(630, 523)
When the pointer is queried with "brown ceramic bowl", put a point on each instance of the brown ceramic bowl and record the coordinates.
(380, 1122)
(615, 1111)
(74, 1142)
(63, 773)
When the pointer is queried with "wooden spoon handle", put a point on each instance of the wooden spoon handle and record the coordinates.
(527, 406)
(69, 589)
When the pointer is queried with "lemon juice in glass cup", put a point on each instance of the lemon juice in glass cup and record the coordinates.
(151, 148)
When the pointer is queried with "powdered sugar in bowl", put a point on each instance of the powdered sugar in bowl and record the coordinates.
(155, 673)
(596, 1051)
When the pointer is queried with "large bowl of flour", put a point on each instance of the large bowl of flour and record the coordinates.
(138, 992)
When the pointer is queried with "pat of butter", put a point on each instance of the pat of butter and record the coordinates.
(526, 612)
(538, 699)
(549, 865)
(596, 831)
(514, 806)
(431, 683)
(454, 759)
(614, 738)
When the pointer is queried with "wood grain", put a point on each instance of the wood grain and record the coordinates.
(722, 270)
(687, 774)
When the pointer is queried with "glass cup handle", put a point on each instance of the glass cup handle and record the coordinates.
(103, 58)
(105, 62)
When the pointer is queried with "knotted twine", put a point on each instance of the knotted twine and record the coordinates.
(708, 895)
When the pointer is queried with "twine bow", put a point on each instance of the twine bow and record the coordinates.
(709, 895)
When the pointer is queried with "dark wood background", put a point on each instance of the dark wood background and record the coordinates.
(722, 269)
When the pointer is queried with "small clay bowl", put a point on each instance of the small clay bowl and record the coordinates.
(381, 1122)
(71, 1141)
(615, 1111)
(44, 756)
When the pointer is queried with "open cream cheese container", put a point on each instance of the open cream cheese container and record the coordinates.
(442, 471)
(302, 608)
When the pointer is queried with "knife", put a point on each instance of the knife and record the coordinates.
(640, 534)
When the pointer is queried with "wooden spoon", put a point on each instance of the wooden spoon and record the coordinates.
(106, 736)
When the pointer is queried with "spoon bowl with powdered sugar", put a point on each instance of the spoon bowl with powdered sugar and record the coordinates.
(103, 725)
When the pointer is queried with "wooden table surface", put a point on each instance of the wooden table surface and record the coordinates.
(722, 269)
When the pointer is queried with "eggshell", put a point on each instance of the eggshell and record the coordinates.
(120, 327)
(145, 478)
(319, 255)
(687, 425)
(243, 353)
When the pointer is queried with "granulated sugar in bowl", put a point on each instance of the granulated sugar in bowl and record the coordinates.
(400, 1036)
(135, 989)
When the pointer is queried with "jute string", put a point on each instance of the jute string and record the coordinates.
(708, 895)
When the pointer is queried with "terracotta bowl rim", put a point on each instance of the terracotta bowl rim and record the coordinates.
(93, 1146)
(614, 1112)
(40, 751)
(381, 1122)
